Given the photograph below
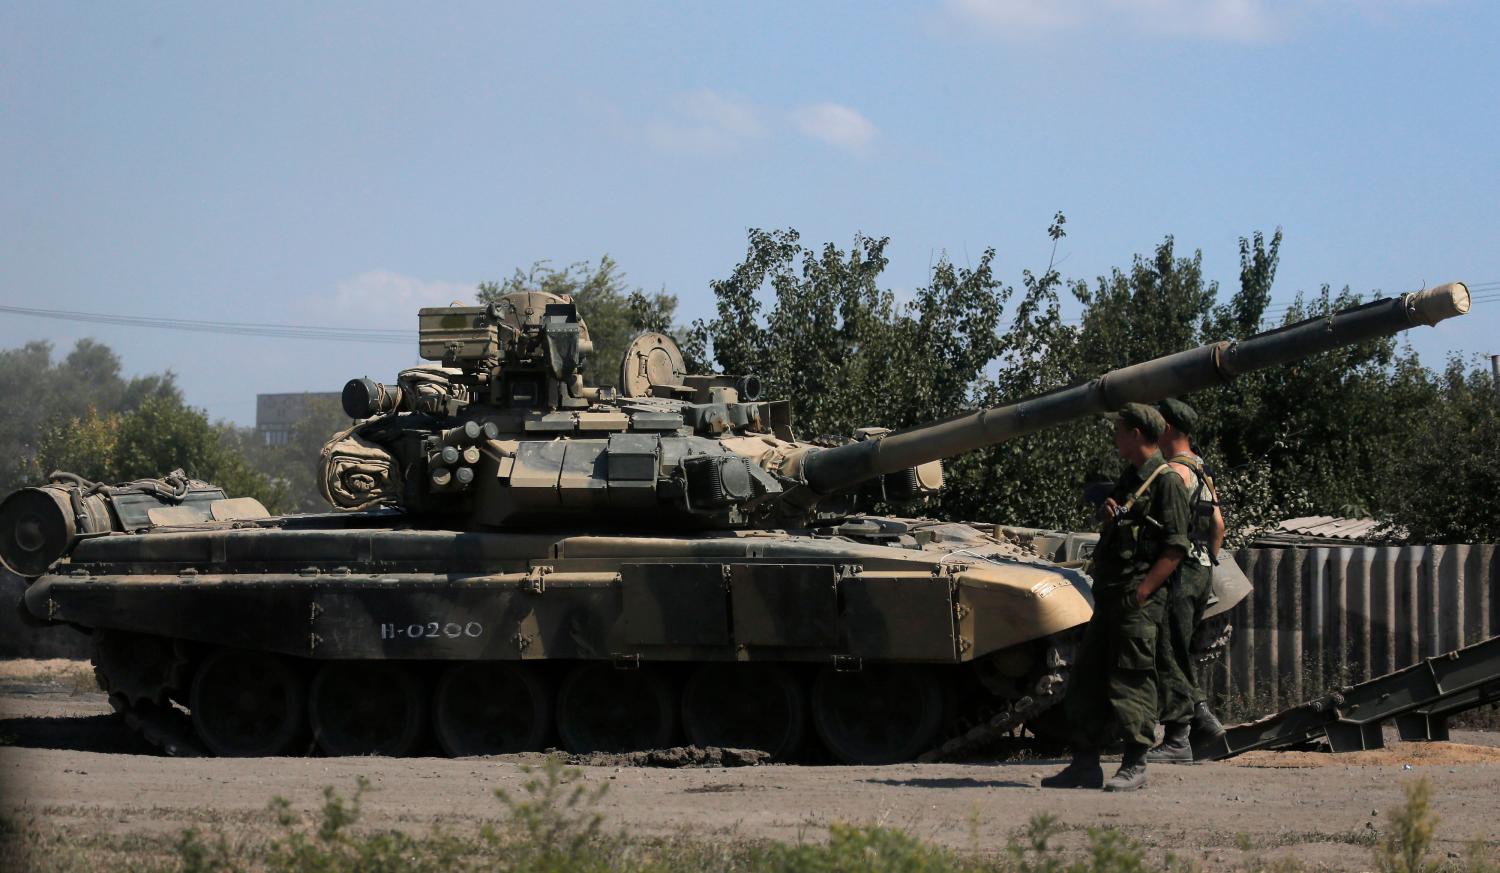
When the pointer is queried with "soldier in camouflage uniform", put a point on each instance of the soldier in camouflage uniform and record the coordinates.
(1184, 706)
(1145, 537)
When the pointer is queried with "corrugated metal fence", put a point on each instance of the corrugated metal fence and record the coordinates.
(1333, 615)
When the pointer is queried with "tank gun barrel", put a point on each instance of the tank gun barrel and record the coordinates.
(835, 469)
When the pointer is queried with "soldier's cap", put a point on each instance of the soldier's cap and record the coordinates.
(1178, 414)
(1142, 417)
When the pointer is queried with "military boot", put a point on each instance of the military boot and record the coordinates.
(1205, 725)
(1132, 773)
(1083, 772)
(1174, 747)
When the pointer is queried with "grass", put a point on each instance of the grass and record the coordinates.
(1235, 705)
(552, 825)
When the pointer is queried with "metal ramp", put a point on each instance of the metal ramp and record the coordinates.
(1420, 699)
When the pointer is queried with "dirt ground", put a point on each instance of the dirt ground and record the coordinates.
(67, 764)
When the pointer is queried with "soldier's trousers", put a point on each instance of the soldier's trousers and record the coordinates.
(1112, 697)
(1176, 680)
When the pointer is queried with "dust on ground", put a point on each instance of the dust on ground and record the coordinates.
(1398, 754)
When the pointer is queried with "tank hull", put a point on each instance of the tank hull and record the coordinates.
(977, 619)
(388, 593)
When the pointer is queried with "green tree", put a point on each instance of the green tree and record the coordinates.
(807, 348)
(160, 435)
(86, 445)
(1361, 430)
(1318, 433)
(1036, 480)
(613, 310)
(1444, 467)
(839, 347)
(294, 466)
(1155, 309)
(40, 393)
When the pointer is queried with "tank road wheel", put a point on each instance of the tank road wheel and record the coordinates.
(366, 708)
(247, 704)
(482, 708)
(744, 706)
(880, 714)
(602, 709)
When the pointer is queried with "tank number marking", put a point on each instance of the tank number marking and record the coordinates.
(432, 630)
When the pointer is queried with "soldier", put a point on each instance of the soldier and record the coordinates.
(1142, 542)
(1184, 706)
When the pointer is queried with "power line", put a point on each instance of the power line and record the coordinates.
(1479, 292)
(233, 328)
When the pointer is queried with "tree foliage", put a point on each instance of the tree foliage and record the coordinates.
(158, 436)
(828, 338)
(41, 392)
(1450, 457)
(1362, 430)
(81, 415)
(292, 467)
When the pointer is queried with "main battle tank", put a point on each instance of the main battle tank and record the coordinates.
(522, 559)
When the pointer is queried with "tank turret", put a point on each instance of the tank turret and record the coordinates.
(504, 430)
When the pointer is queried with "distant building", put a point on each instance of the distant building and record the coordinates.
(277, 414)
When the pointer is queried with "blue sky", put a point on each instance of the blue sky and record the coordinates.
(346, 163)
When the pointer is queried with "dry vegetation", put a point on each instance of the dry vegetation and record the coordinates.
(552, 825)
(65, 673)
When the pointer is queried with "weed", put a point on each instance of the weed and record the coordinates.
(1032, 851)
(1485, 718)
(1478, 858)
(858, 848)
(330, 845)
(194, 855)
(1108, 851)
(1308, 680)
(1236, 705)
(551, 824)
(554, 827)
(1403, 848)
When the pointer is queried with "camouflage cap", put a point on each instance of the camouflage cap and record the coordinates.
(1142, 417)
(1178, 414)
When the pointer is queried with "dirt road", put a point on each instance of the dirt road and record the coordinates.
(67, 764)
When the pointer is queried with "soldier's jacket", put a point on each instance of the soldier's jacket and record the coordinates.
(1202, 499)
(1178, 691)
(1155, 518)
(1114, 695)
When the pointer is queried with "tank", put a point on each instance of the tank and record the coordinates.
(519, 560)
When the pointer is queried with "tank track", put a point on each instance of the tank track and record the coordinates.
(169, 729)
(166, 729)
(142, 702)
(1000, 722)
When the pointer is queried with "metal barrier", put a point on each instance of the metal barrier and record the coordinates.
(1327, 616)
